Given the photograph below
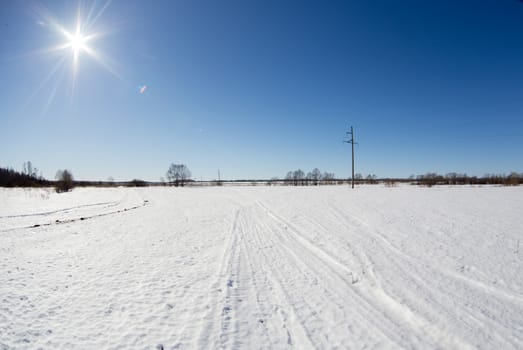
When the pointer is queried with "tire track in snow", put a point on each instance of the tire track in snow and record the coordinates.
(207, 338)
(371, 292)
(265, 316)
(228, 331)
(285, 314)
(327, 284)
(248, 298)
(420, 280)
(104, 204)
(310, 245)
(241, 305)
(244, 302)
(327, 305)
(421, 276)
(82, 218)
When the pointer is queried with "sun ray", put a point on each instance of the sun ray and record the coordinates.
(90, 23)
(53, 92)
(102, 60)
(56, 67)
(76, 42)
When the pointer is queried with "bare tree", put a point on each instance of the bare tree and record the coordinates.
(29, 170)
(451, 178)
(328, 178)
(430, 179)
(64, 181)
(308, 178)
(298, 177)
(289, 177)
(178, 174)
(371, 179)
(273, 180)
(315, 176)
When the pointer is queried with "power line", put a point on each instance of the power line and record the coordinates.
(351, 141)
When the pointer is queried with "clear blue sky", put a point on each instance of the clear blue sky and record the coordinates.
(258, 88)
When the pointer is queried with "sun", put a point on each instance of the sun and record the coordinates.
(81, 39)
(78, 42)
(74, 44)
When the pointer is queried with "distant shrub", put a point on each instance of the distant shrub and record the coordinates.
(137, 183)
(512, 180)
(371, 179)
(430, 179)
(390, 182)
(64, 181)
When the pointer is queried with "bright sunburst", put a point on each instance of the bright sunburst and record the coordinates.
(74, 43)
(77, 42)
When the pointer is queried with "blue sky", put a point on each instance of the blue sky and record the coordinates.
(258, 88)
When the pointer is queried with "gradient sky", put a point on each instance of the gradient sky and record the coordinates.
(258, 88)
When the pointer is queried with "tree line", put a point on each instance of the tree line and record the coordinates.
(180, 175)
(13, 178)
(29, 177)
(432, 179)
(313, 177)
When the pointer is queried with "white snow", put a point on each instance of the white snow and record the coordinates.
(262, 268)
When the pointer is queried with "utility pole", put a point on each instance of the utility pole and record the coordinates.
(351, 141)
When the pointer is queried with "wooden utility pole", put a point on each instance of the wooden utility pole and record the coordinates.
(351, 141)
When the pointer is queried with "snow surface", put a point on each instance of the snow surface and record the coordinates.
(262, 268)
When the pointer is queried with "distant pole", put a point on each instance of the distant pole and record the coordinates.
(351, 141)
(352, 144)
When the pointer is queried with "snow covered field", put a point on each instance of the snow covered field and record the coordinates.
(262, 267)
